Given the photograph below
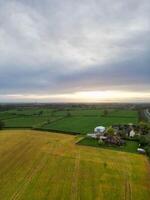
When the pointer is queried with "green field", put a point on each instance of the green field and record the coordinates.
(30, 121)
(87, 124)
(72, 120)
(27, 111)
(98, 112)
(38, 166)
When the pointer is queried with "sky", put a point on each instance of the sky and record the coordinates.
(74, 51)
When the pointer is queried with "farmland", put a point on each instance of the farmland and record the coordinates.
(38, 165)
(86, 124)
(70, 120)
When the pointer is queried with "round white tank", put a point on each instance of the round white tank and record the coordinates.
(99, 129)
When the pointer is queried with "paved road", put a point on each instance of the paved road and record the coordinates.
(147, 114)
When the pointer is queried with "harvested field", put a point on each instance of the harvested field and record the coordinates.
(38, 165)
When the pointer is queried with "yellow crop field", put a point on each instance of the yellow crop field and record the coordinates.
(38, 165)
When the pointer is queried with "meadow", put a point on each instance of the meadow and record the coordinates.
(38, 165)
(86, 124)
(69, 120)
(83, 121)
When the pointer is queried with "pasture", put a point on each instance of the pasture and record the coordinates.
(69, 120)
(85, 124)
(38, 165)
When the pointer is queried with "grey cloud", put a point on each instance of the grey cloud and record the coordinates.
(54, 46)
(127, 75)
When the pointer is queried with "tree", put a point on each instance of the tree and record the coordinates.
(147, 148)
(100, 142)
(1, 125)
(145, 140)
(68, 114)
(110, 131)
(144, 128)
(122, 133)
(40, 112)
(105, 113)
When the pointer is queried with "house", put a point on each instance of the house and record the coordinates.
(125, 129)
(132, 133)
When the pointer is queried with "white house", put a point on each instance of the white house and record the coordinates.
(132, 133)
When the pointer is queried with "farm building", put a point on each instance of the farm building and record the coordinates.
(98, 132)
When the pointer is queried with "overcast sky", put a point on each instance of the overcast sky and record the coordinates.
(74, 50)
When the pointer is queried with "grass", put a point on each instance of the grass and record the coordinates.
(28, 111)
(30, 121)
(81, 120)
(98, 112)
(87, 124)
(130, 146)
(39, 166)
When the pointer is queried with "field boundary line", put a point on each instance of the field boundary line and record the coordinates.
(51, 121)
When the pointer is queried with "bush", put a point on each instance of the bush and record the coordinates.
(68, 114)
(144, 128)
(100, 142)
(145, 143)
(122, 133)
(145, 140)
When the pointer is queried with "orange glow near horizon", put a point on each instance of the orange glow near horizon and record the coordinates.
(85, 96)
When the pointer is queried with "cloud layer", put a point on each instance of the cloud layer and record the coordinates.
(54, 47)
